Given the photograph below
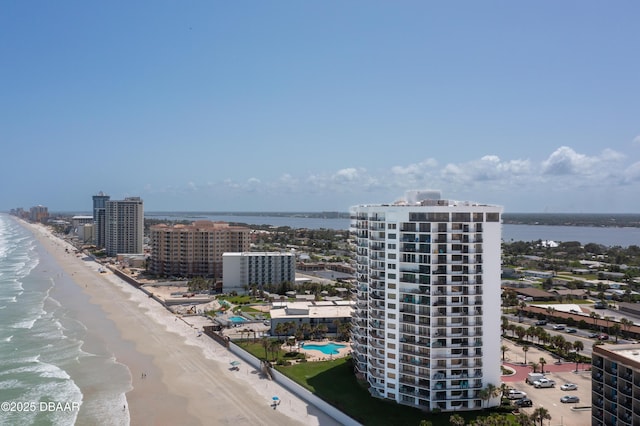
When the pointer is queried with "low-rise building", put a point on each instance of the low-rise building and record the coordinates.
(323, 313)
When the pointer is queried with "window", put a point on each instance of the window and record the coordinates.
(391, 305)
(391, 265)
(392, 277)
(391, 226)
(391, 246)
(493, 217)
(391, 255)
(391, 296)
(391, 345)
(391, 316)
(391, 335)
(391, 236)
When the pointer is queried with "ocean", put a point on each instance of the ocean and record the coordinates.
(53, 369)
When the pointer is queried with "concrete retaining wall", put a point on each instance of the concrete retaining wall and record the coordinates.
(295, 388)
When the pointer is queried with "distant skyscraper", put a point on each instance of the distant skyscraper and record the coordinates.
(99, 204)
(38, 214)
(426, 328)
(124, 226)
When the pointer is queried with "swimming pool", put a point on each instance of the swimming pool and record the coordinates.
(328, 349)
(237, 319)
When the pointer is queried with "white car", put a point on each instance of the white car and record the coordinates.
(544, 383)
(569, 386)
(516, 394)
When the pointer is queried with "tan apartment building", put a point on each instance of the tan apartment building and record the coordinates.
(615, 385)
(196, 249)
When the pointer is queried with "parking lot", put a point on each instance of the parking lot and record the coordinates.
(561, 414)
(549, 398)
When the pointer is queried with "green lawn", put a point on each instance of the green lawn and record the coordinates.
(335, 382)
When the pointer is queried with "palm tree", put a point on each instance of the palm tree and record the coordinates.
(521, 307)
(578, 346)
(550, 310)
(542, 362)
(504, 348)
(281, 328)
(607, 320)
(595, 316)
(456, 420)
(266, 344)
(615, 329)
(484, 395)
(505, 324)
(540, 414)
(275, 348)
(534, 366)
(493, 390)
(524, 420)
(626, 325)
(504, 388)
(525, 349)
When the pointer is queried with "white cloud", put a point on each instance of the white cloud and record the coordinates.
(566, 161)
(346, 175)
(415, 169)
(632, 173)
(636, 140)
(487, 178)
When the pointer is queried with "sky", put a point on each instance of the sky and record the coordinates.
(318, 106)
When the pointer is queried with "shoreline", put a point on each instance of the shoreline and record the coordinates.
(188, 380)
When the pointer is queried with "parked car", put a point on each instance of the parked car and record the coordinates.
(603, 337)
(541, 322)
(516, 394)
(524, 402)
(593, 335)
(558, 327)
(544, 383)
(569, 386)
(569, 398)
(571, 330)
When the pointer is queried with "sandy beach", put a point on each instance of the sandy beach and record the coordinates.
(177, 376)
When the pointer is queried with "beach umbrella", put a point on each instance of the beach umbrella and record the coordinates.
(275, 398)
(235, 363)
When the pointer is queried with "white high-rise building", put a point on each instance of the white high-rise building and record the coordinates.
(124, 226)
(243, 270)
(426, 329)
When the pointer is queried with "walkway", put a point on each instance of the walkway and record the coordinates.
(514, 359)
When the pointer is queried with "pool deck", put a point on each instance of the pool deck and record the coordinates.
(315, 355)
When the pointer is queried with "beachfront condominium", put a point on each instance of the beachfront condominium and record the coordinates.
(99, 219)
(426, 327)
(615, 385)
(38, 214)
(243, 271)
(124, 226)
(196, 249)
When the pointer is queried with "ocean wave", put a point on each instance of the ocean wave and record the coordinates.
(7, 339)
(26, 324)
